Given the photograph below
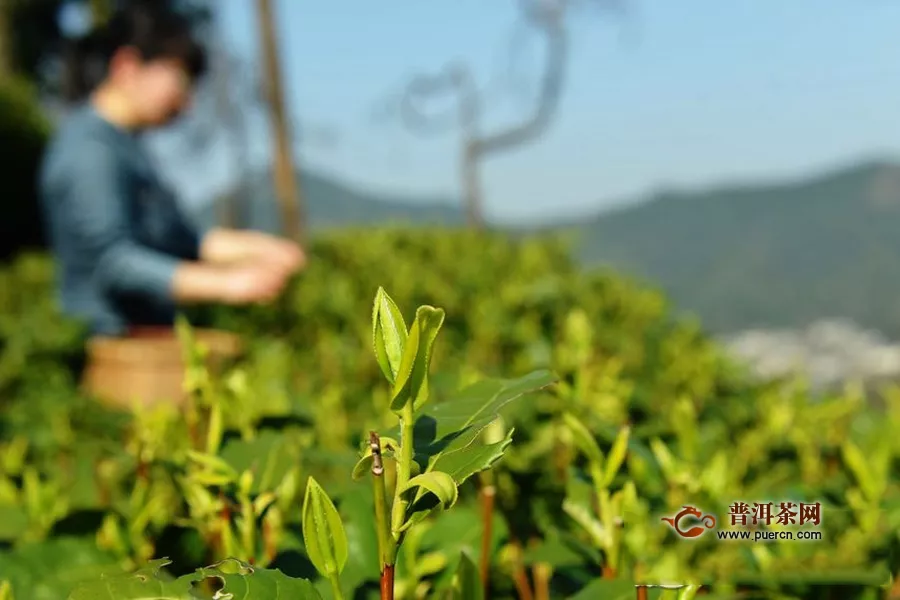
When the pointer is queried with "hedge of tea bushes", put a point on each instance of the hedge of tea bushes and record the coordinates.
(701, 433)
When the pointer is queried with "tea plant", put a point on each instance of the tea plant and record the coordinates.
(305, 399)
(438, 448)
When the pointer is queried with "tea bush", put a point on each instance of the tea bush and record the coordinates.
(646, 416)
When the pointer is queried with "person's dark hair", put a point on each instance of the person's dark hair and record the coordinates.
(153, 28)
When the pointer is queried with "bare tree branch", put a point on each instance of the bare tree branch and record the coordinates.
(549, 96)
(454, 81)
(548, 19)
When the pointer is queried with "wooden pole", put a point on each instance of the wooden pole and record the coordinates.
(6, 58)
(285, 175)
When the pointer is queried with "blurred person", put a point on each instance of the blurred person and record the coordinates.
(127, 257)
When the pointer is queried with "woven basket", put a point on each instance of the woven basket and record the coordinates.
(146, 367)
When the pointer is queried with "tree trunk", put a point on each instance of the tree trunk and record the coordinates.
(286, 174)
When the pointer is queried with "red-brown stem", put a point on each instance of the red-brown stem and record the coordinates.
(143, 470)
(488, 494)
(387, 583)
(609, 572)
(269, 546)
(541, 574)
(642, 592)
(520, 576)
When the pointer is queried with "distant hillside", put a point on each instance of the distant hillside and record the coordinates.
(776, 255)
(740, 257)
(331, 203)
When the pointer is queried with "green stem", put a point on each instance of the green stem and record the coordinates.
(609, 524)
(248, 528)
(336, 587)
(404, 468)
(214, 429)
(386, 548)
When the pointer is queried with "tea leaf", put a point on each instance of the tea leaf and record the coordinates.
(584, 439)
(688, 592)
(468, 583)
(323, 531)
(578, 504)
(52, 569)
(245, 582)
(216, 465)
(463, 463)
(412, 377)
(616, 455)
(438, 483)
(859, 465)
(388, 334)
(140, 585)
(458, 421)
(445, 492)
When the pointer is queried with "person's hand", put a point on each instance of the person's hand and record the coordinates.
(253, 283)
(278, 252)
(229, 247)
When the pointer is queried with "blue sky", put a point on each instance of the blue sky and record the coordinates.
(679, 93)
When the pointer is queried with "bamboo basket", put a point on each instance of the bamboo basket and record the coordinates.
(146, 367)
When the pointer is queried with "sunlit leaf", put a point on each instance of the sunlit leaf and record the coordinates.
(584, 439)
(241, 581)
(144, 584)
(323, 531)
(440, 484)
(389, 334)
(412, 377)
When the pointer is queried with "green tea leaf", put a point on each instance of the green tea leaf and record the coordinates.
(412, 377)
(216, 465)
(468, 582)
(440, 484)
(447, 432)
(859, 465)
(688, 592)
(323, 531)
(146, 583)
(579, 505)
(388, 334)
(584, 439)
(13, 521)
(616, 455)
(467, 461)
(51, 569)
(477, 404)
(270, 455)
(245, 582)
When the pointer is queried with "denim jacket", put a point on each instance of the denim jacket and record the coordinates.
(115, 229)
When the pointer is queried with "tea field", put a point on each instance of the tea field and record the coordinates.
(439, 414)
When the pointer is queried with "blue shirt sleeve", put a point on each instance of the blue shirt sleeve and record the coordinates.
(94, 211)
(183, 237)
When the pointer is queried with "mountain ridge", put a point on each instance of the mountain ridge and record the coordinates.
(767, 255)
(739, 256)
